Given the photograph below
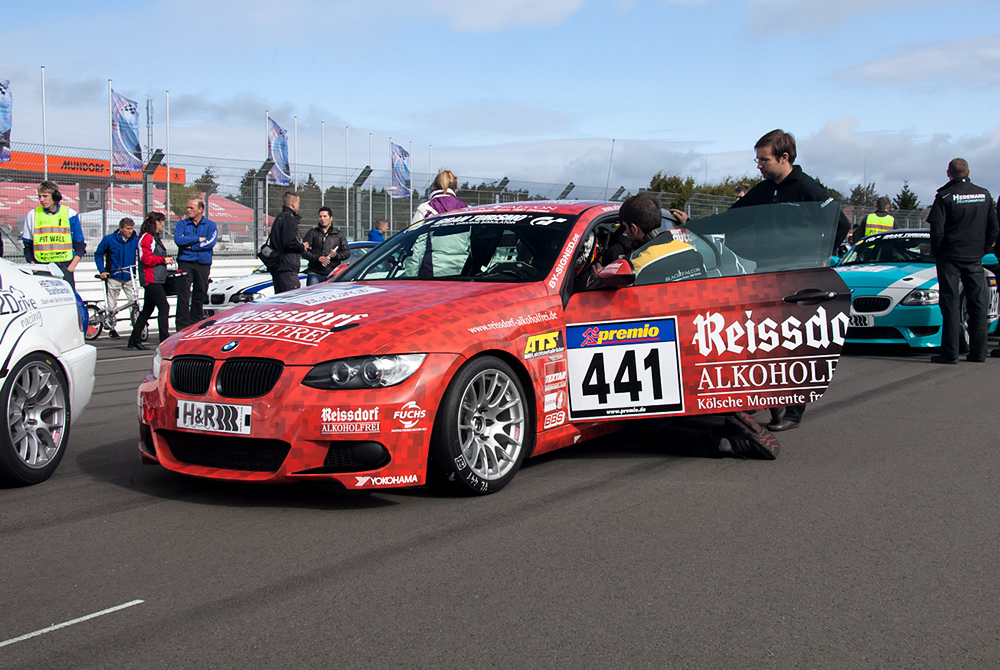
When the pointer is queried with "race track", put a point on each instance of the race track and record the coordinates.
(871, 542)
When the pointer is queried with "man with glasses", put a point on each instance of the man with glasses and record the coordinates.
(786, 182)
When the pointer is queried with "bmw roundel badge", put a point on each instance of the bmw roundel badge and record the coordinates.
(229, 346)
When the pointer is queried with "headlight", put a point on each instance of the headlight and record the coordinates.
(364, 372)
(245, 297)
(157, 359)
(921, 296)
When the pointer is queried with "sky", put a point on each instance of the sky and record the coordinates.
(591, 91)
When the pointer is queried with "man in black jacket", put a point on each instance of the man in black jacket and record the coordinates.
(327, 246)
(284, 239)
(963, 223)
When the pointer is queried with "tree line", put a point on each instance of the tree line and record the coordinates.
(860, 196)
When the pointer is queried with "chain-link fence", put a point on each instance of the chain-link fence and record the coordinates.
(242, 203)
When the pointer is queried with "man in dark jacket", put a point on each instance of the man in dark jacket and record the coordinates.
(327, 246)
(115, 258)
(963, 221)
(284, 239)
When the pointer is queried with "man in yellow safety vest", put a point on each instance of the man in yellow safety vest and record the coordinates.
(879, 221)
(52, 233)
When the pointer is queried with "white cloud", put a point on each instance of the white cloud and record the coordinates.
(972, 61)
(491, 16)
(768, 17)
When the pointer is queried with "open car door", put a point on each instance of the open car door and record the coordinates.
(737, 312)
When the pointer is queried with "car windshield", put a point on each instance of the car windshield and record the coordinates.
(891, 248)
(490, 246)
(744, 240)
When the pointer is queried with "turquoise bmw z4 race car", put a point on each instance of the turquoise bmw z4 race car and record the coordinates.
(894, 290)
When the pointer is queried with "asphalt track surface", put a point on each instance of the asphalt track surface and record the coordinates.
(872, 542)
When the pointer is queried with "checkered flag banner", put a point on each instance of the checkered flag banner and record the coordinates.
(126, 151)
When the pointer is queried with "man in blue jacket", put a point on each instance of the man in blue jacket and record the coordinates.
(195, 236)
(115, 258)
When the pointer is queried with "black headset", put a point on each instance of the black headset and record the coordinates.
(49, 186)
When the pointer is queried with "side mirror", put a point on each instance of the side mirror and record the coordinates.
(618, 274)
(834, 261)
(990, 259)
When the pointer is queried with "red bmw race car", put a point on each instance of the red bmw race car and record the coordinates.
(473, 340)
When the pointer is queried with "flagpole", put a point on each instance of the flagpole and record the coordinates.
(267, 143)
(295, 151)
(45, 151)
(390, 183)
(322, 163)
(167, 157)
(410, 185)
(371, 182)
(111, 164)
(347, 177)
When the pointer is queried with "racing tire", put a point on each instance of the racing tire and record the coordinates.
(35, 396)
(95, 324)
(483, 428)
(133, 316)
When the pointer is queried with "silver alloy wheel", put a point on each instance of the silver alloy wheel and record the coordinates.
(36, 414)
(491, 426)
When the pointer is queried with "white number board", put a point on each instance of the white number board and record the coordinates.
(624, 368)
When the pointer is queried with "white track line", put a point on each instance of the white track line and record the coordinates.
(70, 623)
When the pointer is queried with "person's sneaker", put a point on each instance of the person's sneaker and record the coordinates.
(113, 334)
(943, 360)
(750, 439)
(975, 359)
(995, 353)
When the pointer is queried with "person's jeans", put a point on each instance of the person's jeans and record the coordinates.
(315, 278)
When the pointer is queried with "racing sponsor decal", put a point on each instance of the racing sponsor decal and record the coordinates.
(554, 401)
(555, 375)
(863, 268)
(624, 368)
(339, 421)
(903, 236)
(214, 417)
(991, 286)
(563, 261)
(324, 293)
(58, 288)
(308, 327)
(13, 301)
(530, 319)
(395, 480)
(554, 420)
(30, 319)
(545, 343)
(715, 336)
(798, 380)
(408, 416)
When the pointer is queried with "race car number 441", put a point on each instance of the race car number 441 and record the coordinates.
(624, 368)
(214, 417)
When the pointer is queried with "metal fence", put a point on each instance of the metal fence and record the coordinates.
(236, 193)
(240, 201)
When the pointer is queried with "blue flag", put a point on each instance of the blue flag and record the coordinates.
(126, 152)
(400, 171)
(277, 150)
(6, 116)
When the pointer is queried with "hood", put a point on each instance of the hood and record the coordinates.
(313, 324)
(889, 275)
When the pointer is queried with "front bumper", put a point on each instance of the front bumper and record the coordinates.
(363, 439)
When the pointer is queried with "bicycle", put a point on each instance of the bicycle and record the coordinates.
(100, 317)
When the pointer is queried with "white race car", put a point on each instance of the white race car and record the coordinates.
(47, 370)
(227, 293)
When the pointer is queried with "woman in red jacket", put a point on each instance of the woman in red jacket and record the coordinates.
(153, 261)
